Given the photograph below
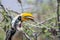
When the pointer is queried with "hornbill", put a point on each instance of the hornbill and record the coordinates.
(17, 24)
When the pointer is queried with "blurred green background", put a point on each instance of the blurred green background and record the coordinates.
(44, 11)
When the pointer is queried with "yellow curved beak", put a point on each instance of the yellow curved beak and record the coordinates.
(27, 16)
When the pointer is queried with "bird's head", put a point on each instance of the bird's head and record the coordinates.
(24, 17)
(27, 16)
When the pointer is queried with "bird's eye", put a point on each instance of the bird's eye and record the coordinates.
(19, 18)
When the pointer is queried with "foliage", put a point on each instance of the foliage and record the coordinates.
(6, 22)
(2, 34)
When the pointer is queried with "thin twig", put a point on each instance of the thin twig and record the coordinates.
(21, 5)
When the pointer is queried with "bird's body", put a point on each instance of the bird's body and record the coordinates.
(17, 25)
(16, 22)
